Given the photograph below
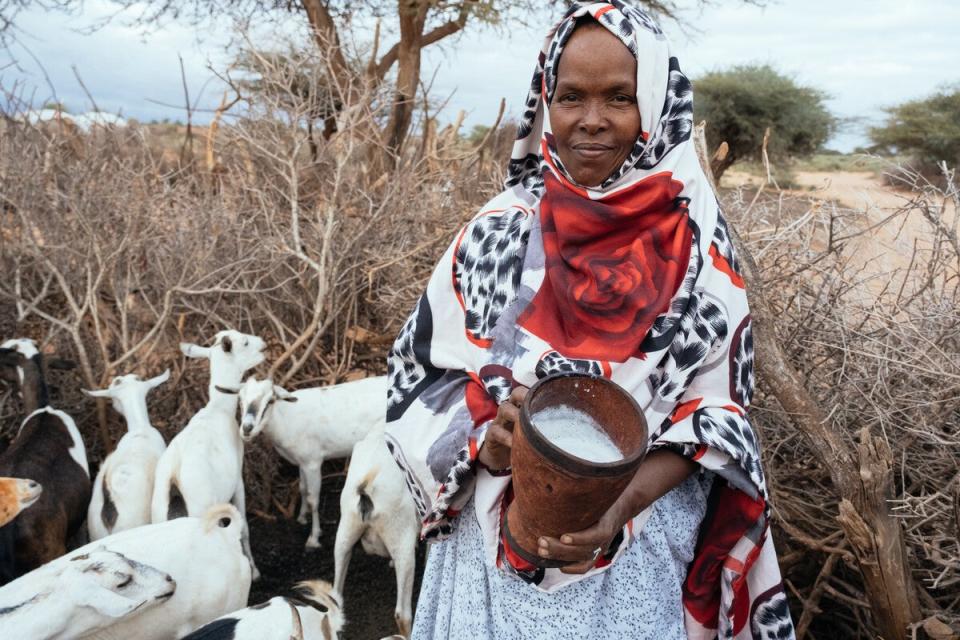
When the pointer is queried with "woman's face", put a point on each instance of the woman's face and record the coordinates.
(594, 115)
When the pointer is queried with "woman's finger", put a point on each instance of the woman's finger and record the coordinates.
(517, 395)
(596, 535)
(507, 414)
(499, 435)
(556, 550)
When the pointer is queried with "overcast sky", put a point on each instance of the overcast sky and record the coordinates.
(866, 54)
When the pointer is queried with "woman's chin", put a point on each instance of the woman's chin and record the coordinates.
(590, 172)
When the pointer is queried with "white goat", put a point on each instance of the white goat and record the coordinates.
(123, 489)
(314, 614)
(69, 598)
(376, 508)
(203, 465)
(204, 556)
(311, 425)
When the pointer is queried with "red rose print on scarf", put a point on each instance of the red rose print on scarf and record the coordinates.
(612, 266)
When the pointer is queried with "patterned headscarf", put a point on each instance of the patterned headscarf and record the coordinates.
(635, 280)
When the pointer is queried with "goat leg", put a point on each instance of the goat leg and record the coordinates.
(314, 478)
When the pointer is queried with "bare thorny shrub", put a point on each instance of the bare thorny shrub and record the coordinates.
(876, 335)
(112, 255)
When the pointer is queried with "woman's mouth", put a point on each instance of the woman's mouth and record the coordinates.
(591, 149)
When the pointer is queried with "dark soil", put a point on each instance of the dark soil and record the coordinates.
(371, 587)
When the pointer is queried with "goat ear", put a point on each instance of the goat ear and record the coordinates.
(227, 344)
(283, 394)
(228, 390)
(107, 603)
(156, 381)
(99, 393)
(194, 350)
(60, 363)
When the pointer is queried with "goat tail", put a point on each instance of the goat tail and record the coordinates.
(223, 516)
(320, 594)
(366, 504)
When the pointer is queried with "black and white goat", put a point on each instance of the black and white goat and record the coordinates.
(377, 509)
(124, 486)
(313, 614)
(203, 465)
(47, 449)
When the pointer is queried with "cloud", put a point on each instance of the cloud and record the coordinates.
(866, 54)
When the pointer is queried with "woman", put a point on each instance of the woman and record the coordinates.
(606, 254)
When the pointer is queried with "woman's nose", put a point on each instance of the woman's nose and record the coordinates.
(593, 120)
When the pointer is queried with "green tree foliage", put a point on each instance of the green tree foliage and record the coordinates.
(740, 103)
(926, 129)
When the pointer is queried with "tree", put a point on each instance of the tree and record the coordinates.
(419, 24)
(927, 129)
(740, 103)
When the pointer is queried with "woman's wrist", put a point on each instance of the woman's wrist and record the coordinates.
(659, 473)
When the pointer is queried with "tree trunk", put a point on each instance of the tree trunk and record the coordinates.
(328, 41)
(862, 479)
(412, 15)
(877, 539)
(721, 161)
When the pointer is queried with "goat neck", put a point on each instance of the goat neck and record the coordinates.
(230, 379)
(33, 386)
(135, 413)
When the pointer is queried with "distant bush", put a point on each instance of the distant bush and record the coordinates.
(740, 103)
(926, 129)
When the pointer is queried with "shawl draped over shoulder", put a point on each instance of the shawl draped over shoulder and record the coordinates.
(636, 280)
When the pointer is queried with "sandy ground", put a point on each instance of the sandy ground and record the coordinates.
(892, 232)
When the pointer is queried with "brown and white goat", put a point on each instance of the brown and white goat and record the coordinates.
(16, 494)
(49, 450)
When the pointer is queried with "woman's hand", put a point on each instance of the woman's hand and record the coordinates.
(660, 472)
(583, 548)
(495, 452)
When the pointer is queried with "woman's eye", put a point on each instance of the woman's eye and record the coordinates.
(570, 97)
(623, 98)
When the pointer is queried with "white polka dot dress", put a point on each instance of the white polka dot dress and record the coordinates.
(464, 597)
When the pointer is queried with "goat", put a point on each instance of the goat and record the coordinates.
(69, 598)
(47, 449)
(16, 494)
(376, 508)
(313, 614)
(205, 558)
(203, 465)
(323, 423)
(123, 489)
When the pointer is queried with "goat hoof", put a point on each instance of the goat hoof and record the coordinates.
(312, 544)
